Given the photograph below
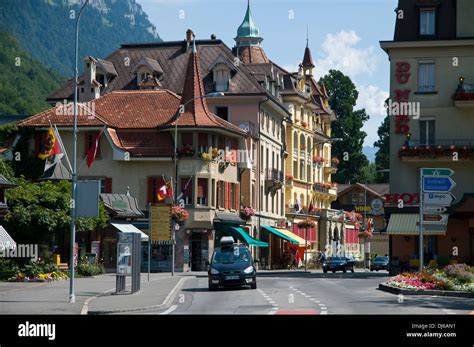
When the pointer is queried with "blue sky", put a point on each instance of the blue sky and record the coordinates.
(344, 34)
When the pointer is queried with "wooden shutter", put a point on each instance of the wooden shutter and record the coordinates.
(217, 194)
(108, 185)
(237, 200)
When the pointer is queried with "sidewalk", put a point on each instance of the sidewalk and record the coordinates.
(93, 295)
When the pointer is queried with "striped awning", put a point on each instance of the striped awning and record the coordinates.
(408, 224)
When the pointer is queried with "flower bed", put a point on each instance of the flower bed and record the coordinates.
(456, 277)
(43, 277)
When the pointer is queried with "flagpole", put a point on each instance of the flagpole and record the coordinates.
(72, 296)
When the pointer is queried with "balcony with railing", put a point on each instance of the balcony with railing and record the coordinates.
(437, 150)
(326, 188)
(464, 96)
(249, 127)
(274, 179)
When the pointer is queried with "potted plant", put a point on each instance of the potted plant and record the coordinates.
(187, 150)
(334, 162)
(289, 177)
(317, 160)
(246, 213)
(307, 223)
(366, 235)
(206, 156)
(304, 124)
(179, 214)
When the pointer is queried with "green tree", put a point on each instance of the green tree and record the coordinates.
(40, 210)
(24, 82)
(382, 157)
(342, 99)
(368, 174)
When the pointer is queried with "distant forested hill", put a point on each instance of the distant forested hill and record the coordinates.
(24, 82)
(45, 28)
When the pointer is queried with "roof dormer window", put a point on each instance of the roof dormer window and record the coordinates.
(221, 78)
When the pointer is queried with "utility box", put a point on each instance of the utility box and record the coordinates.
(128, 261)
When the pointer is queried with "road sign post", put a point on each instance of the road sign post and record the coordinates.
(435, 187)
(421, 220)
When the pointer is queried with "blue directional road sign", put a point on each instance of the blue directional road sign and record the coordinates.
(438, 184)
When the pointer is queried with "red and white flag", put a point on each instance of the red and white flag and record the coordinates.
(92, 152)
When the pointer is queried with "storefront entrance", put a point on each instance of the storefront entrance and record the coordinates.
(199, 251)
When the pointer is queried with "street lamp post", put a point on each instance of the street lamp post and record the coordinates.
(367, 260)
(178, 115)
(72, 297)
(308, 176)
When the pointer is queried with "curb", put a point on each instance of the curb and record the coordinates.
(394, 290)
(167, 302)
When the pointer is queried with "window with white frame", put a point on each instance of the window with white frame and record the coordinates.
(426, 76)
(427, 132)
(221, 78)
(427, 21)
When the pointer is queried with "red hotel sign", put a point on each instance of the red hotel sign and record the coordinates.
(407, 198)
(402, 74)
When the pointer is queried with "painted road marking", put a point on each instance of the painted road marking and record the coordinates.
(298, 312)
(171, 309)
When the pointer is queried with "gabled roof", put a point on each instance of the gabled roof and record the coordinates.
(173, 58)
(196, 113)
(152, 64)
(378, 190)
(138, 109)
(105, 65)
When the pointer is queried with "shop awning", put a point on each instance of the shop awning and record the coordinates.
(280, 235)
(239, 234)
(293, 236)
(408, 224)
(6, 241)
(129, 228)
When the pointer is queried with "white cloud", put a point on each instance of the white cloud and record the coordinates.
(340, 53)
(372, 98)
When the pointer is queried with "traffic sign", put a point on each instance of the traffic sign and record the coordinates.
(438, 184)
(437, 172)
(434, 227)
(434, 209)
(435, 219)
(440, 199)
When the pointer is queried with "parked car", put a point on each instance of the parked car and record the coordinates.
(380, 263)
(231, 265)
(338, 264)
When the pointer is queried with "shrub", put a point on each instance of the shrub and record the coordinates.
(34, 269)
(8, 269)
(89, 269)
(459, 272)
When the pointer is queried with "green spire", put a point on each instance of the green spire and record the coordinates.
(248, 28)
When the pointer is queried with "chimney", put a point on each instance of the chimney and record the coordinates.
(189, 38)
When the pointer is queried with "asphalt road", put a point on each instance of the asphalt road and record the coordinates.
(310, 293)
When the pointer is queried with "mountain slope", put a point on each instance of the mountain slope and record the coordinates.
(24, 82)
(46, 30)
